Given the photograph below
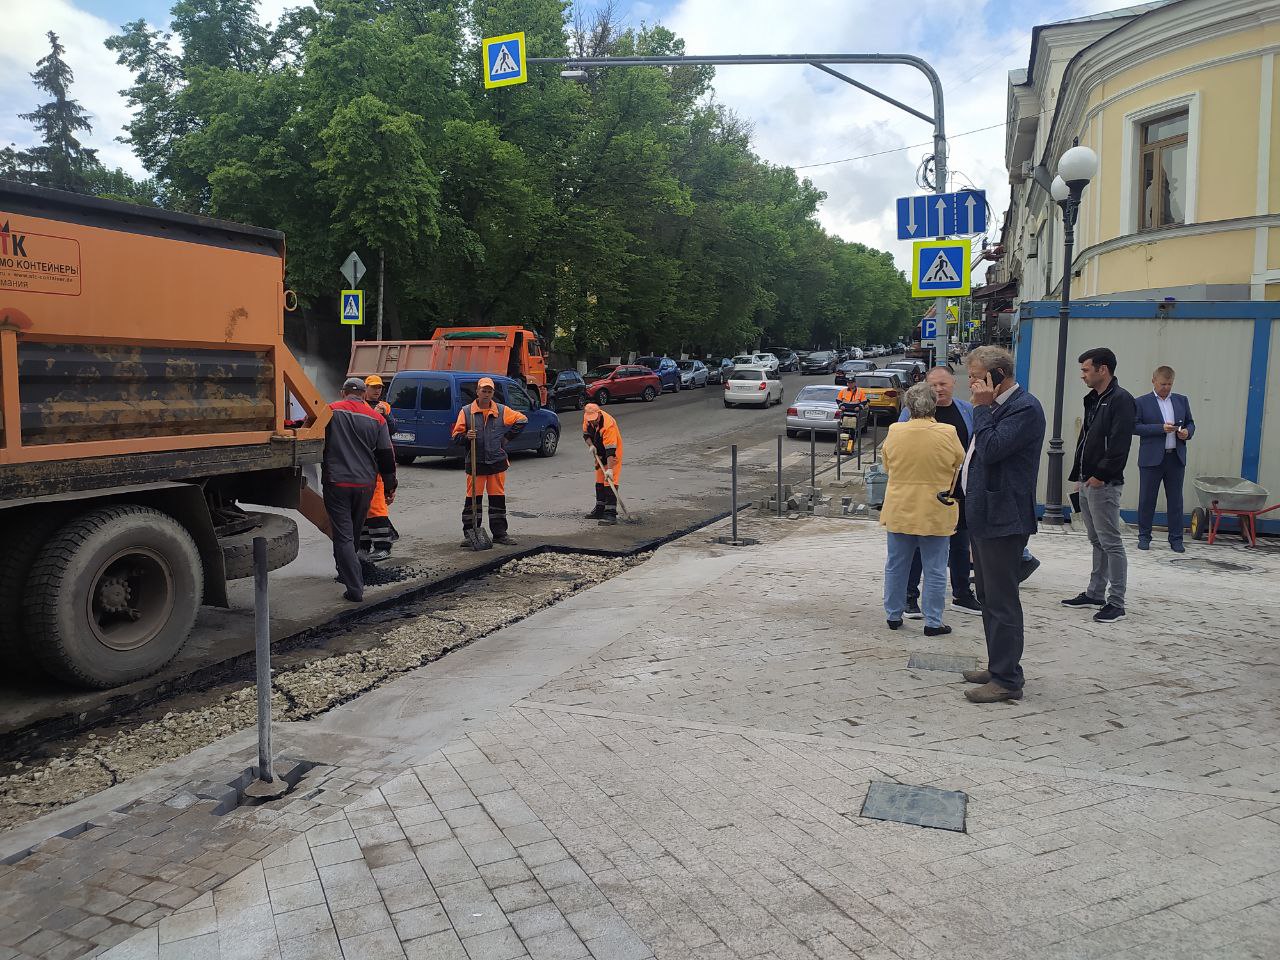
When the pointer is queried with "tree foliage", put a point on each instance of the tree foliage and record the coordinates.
(626, 212)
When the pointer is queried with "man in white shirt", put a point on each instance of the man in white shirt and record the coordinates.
(1163, 423)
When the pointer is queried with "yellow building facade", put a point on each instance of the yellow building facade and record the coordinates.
(1180, 100)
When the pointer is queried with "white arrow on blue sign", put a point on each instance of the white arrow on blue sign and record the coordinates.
(942, 215)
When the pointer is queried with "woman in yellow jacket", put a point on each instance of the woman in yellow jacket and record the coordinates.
(921, 457)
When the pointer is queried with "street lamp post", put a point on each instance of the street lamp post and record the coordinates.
(1075, 170)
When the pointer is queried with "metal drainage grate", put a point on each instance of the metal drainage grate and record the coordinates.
(918, 806)
(1213, 566)
(740, 542)
(941, 661)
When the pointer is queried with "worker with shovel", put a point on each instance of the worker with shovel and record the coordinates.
(379, 532)
(601, 433)
(483, 429)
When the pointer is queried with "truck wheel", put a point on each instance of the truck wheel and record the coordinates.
(282, 545)
(113, 596)
(22, 546)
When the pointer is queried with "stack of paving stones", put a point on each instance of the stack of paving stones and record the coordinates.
(72, 896)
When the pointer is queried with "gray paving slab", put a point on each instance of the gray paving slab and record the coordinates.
(690, 783)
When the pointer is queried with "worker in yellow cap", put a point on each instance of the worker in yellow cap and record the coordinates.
(600, 431)
(491, 425)
(378, 533)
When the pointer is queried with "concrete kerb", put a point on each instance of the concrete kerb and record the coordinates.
(22, 740)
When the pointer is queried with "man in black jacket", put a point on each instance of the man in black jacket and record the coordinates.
(1102, 451)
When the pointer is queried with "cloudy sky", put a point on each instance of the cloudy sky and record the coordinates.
(802, 118)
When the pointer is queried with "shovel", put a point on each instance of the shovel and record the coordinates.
(477, 536)
(627, 515)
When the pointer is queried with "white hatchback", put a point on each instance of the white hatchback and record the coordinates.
(752, 387)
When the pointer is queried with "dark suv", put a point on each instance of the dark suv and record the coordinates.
(567, 392)
(666, 369)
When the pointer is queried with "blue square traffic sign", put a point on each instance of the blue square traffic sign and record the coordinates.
(504, 60)
(940, 268)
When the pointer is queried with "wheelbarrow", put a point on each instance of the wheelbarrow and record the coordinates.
(1228, 497)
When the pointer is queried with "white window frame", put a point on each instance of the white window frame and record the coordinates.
(1130, 194)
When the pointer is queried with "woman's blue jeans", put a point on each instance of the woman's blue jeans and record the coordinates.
(933, 557)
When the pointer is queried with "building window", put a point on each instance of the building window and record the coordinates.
(1164, 171)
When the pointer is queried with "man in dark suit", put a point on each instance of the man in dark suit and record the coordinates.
(999, 481)
(1164, 424)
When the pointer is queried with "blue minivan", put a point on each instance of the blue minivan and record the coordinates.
(425, 404)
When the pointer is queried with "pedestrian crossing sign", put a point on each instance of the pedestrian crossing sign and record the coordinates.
(504, 60)
(352, 313)
(940, 268)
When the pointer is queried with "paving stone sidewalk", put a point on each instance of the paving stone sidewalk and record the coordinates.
(673, 765)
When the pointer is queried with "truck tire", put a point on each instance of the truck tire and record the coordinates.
(113, 596)
(282, 545)
(25, 538)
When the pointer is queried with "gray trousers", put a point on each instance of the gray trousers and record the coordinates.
(997, 566)
(1100, 507)
(347, 507)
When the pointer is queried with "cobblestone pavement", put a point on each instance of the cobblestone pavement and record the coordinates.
(673, 765)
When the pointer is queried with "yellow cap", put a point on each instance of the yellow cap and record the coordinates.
(373, 381)
(485, 382)
(591, 411)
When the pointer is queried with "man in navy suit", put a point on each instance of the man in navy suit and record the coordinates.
(999, 483)
(1164, 425)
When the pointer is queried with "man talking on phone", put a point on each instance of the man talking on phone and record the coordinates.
(999, 477)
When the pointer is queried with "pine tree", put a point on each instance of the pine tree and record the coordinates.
(62, 161)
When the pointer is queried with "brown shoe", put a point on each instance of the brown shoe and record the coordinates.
(991, 692)
(977, 676)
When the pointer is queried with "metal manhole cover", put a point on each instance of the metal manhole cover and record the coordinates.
(1213, 566)
(918, 806)
(942, 661)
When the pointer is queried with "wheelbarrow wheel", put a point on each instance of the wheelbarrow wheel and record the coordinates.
(1199, 524)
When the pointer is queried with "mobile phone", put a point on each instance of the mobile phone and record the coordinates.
(997, 377)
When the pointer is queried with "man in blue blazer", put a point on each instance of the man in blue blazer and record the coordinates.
(1164, 425)
(999, 481)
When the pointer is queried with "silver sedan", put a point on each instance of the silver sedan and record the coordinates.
(815, 407)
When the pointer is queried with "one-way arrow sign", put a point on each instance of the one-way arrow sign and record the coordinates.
(942, 215)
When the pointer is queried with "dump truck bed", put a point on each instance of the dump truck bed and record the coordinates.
(127, 331)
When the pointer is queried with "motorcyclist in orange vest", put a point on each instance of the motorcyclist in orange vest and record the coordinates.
(378, 533)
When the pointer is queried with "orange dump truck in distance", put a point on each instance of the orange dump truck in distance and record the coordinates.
(144, 391)
(507, 351)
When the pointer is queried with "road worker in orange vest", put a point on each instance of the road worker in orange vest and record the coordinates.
(851, 394)
(491, 425)
(600, 431)
(378, 533)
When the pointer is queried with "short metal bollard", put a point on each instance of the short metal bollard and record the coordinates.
(266, 785)
(733, 489)
(813, 469)
(779, 475)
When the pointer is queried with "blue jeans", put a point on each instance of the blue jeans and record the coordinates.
(933, 557)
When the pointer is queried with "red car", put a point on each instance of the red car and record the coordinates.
(620, 381)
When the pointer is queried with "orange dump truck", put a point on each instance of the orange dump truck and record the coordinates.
(144, 392)
(508, 351)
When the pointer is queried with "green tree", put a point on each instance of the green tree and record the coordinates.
(61, 160)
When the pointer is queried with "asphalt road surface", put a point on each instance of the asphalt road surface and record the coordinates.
(675, 474)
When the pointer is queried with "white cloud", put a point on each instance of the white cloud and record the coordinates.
(98, 78)
(802, 116)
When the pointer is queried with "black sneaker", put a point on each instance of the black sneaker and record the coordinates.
(912, 611)
(894, 624)
(595, 514)
(969, 605)
(1028, 568)
(937, 631)
(1110, 613)
(1083, 600)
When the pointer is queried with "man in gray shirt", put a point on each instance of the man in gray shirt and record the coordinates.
(357, 449)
